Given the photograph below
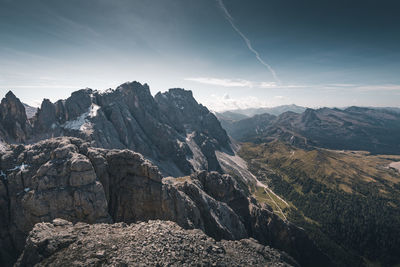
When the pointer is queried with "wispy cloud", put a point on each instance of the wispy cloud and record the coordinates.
(220, 103)
(382, 87)
(246, 40)
(44, 86)
(359, 87)
(222, 82)
(239, 83)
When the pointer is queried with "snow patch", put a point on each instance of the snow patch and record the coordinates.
(82, 123)
(27, 189)
(93, 110)
(21, 167)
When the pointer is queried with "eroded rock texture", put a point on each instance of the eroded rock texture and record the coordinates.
(155, 243)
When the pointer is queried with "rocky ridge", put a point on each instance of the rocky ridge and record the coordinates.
(171, 129)
(155, 243)
(67, 178)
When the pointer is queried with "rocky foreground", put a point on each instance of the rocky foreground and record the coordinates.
(67, 178)
(155, 243)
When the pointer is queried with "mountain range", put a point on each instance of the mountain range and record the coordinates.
(171, 129)
(237, 114)
(355, 128)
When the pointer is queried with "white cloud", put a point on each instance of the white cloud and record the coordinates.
(267, 85)
(219, 103)
(241, 83)
(382, 87)
(222, 82)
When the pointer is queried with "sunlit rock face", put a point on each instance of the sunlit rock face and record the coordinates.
(14, 125)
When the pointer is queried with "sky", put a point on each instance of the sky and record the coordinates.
(230, 53)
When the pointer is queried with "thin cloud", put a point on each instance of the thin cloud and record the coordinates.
(383, 87)
(240, 83)
(246, 40)
(222, 82)
(222, 103)
(359, 87)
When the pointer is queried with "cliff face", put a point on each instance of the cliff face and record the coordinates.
(67, 178)
(14, 126)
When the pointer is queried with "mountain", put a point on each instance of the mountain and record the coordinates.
(14, 125)
(230, 116)
(250, 112)
(355, 128)
(172, 129)
(247, 127)
(67, 178)
(230, 119)
(347, 201)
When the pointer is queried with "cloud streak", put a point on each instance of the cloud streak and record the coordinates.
(246, 40)
(218, 103)
(222, 82)
(239, 83)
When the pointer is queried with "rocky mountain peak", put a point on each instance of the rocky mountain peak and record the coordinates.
(13, 120)
(10, 95)
(142, 91)
(12, 107)
(171, 129)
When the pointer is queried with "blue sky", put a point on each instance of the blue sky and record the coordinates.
(230, 53)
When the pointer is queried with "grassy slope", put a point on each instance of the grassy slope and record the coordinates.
(349, 202)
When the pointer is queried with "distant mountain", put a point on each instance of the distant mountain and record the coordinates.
(249, 112)
(392, 109)
(230, 116)
(171, 129)
(248, 126)
(355, 128)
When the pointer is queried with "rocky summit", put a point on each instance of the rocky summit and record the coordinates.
(68, 178)
(155, 243)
